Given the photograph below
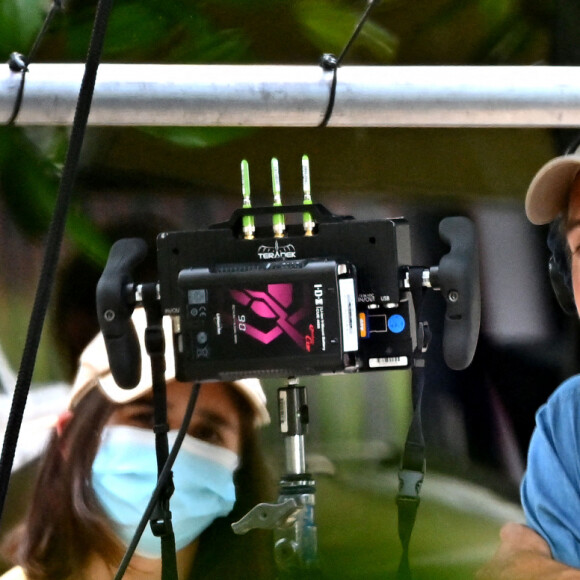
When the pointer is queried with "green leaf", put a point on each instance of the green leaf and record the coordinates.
(149, 32)
(330, 26)
(89, 239)
(505, 41)
(495, 11)
(135, 31)
(29, 184)
(20, 21)
(198, 136)
(444, 16)
(210, 46)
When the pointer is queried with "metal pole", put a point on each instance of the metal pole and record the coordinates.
(296, 96)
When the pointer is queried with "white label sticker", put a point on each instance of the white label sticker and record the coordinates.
(283, 406)
(348, 315)
(389, 361)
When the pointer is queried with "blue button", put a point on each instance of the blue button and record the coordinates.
(396, 323)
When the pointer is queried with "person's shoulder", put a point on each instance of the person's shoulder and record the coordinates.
(16, 573)
(562, 407)
(568, 392)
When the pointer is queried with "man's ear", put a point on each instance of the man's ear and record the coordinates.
(562, 290)
(559, 268)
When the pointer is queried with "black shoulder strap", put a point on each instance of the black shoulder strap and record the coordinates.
(53, 246)
(160, 519)
(412, 470)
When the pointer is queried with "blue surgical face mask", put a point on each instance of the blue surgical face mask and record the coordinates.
(125, 474)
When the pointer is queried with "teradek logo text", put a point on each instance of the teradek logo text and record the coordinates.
(276, 252)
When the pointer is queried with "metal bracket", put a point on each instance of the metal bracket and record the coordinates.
(268, 516)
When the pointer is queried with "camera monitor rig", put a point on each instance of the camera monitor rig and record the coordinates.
(267, 295)
(337, 301)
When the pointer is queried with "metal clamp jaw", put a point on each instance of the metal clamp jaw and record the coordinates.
(292, 520)
(296, 543)
(267, 516)
(292, 517)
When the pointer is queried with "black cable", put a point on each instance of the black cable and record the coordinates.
(160, 518)
(19, 63)
(356, 32)
(161, 481)
(412, 468)
(53, 245)
(329, 62)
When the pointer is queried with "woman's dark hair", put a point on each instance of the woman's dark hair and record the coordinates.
(221, 554)
(65, 523)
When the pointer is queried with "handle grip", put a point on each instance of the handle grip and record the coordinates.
(115, 307)
(458, 276)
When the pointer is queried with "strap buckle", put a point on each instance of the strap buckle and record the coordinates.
(410, 482)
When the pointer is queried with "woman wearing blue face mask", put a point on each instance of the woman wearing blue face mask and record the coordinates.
(100, 469)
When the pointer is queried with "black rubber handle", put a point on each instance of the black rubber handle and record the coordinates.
(459, 283)
(115, 305)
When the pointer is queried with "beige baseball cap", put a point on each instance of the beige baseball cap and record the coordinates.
(94, 372)
(547, 195)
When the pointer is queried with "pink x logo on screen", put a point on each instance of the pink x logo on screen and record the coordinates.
(272, 306)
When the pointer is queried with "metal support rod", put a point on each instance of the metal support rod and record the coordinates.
(296, 96)
(295, 454)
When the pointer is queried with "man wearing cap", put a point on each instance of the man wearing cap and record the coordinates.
(548, 547)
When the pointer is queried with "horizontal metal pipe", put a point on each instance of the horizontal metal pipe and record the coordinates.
(297, 96)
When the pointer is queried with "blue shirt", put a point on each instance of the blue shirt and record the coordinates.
(550, 489)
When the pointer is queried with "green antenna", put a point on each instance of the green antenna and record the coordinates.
(278, 219)
(307, 216)
(247, 221)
